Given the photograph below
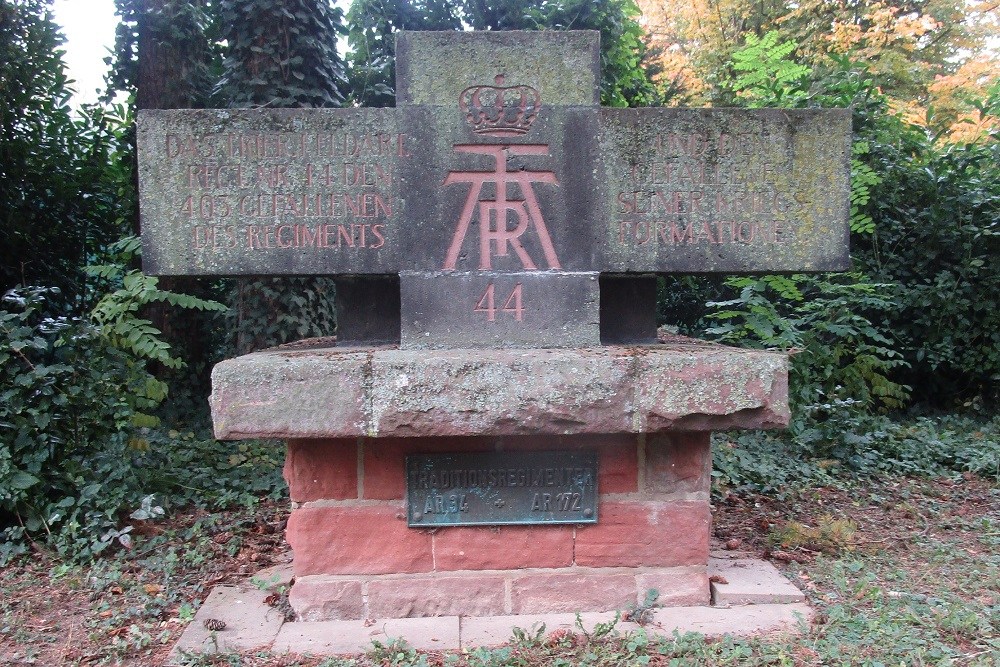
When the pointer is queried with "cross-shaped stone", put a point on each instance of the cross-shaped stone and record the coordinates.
(498, 205)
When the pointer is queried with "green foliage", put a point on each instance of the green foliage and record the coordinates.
(128, 292)
(76, 409)
(838, 352)
(372, 26)
(936, 215)
(281, 53)
(59, 173)
(842, 445)
(272, 311)
(67, 407)
(182, 36)
(863, 178)
(767, 76)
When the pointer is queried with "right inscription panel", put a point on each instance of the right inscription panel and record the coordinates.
(720, 190)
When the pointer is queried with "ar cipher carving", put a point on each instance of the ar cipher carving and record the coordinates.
(501, 111)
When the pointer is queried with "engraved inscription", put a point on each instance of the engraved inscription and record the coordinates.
(299, 191)
(514, 304)
(703, 188)
(502, 488)
(502, 220)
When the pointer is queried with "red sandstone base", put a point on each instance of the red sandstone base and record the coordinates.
(355, 557)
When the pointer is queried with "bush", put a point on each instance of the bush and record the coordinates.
(936, 220)
(838, 353)
(67, 409)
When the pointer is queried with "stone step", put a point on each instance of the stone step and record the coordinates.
(250, 623)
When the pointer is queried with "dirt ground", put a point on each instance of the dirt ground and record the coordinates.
(131, 611)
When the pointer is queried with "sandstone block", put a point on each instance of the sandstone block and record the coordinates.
(317, 598)
(289, 395)
(634, 534)
(319, 469)
(503, 547)
(711, 390)
(682, 385)
(356, 540)
(677, 587)
(679, 463)
(436, 596)
(539, 593)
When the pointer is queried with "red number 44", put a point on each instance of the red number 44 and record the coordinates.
(513, 305)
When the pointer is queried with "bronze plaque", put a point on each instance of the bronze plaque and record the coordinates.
(501, 488)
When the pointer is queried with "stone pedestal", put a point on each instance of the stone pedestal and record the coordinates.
(351, 416)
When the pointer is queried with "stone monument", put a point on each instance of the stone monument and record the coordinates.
(498, 429)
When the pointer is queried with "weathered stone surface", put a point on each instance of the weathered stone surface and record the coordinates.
(503, 548)
(509, 310)
(271, 191)
(679, 463)
(645, 534)
(482, 203)
(318, 598)
(750, 581)
(297, 395)
(250, 623)
(498, 630)
(446, 182)
(321, 469)
(703, 190)
(740, 621)
(713, 391)
(500, 392)
(384, 392)
(542, 593)
(339, 637)
(677, 586)
(475, 595)
(433, 68)
(341, 540)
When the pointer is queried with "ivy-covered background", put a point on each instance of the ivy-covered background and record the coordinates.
(103, 371)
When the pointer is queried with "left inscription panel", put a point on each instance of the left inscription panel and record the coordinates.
(277, 192)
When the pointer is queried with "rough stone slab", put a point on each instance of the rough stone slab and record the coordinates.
(336, 637)
(296, 395)
(386, 392)
(507, 310)
(272, 191)
(433, 68)
(750, 581)
(275, 577)
(730, 190)
(702, 391)
(250, 623)
(740, 620)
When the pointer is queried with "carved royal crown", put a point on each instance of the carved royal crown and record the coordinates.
(500, 111)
